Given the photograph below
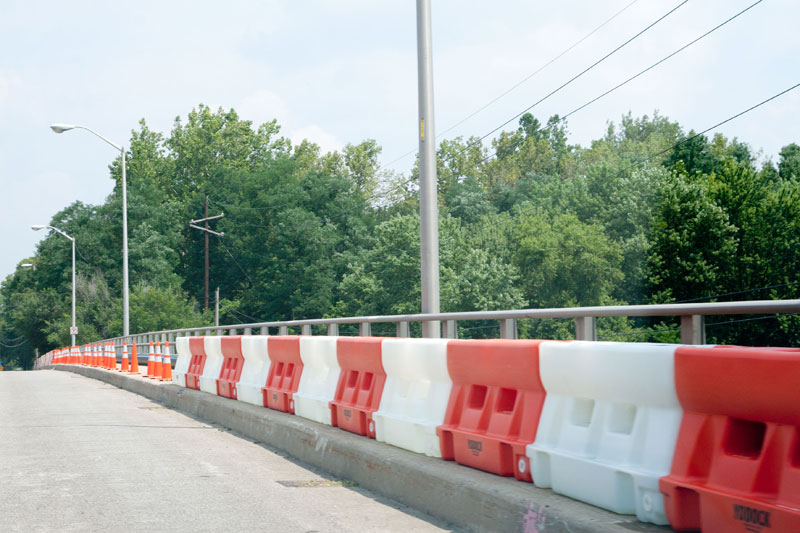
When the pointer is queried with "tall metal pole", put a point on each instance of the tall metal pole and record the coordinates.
(206, 276)
(428, 201)
(125, 309)
(73, 291)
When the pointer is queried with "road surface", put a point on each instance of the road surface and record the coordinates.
(77, 454)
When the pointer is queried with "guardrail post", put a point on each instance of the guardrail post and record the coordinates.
(232, 331)
(248, 331)
(693, 329)
(305, 329)
(333, 330)
(586, 328)
(283, 330)
(264, 330)
(365, 329)
(402, 330)
(450, 329)
(508, 328)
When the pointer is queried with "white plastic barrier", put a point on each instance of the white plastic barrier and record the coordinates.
(609, 424)
(182, 363)
(415, 395)
(213, 366)
(255, 370)
(319, 378)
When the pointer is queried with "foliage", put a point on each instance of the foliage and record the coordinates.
(526, 221)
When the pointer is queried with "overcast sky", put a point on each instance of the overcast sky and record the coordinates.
(339, 72)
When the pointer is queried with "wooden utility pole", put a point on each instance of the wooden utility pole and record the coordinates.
(204, 228)
(206, 232)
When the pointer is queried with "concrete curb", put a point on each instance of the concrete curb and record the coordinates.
(468, 498)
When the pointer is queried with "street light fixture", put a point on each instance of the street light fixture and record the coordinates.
(28, 265)
(74, 329)
(61, 128)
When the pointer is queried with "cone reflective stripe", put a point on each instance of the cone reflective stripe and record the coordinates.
(134, 359)
(124, 357)
(157, 362)
(151, 358)
(166, 364)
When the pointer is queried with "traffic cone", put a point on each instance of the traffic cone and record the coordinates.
(94, 354)
(112, 356)
(124, 357)
(151, 357)
(134, 359)
(107, 356)
(157, 362)
(166, 364)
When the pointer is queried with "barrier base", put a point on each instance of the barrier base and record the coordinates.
(352, 419)
(226, 388)
(179, 379)
(278, 400)
(312, 408)
(193, 381)
(410, 435)
(706, 509)
(486, 453)
(624, 491)
(208, 385)
(248, 393)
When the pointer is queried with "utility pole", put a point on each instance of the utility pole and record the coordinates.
(206, 276)
(204, 228)
(428, 201)
(216, 307)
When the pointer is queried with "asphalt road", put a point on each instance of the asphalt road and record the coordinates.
(77, 454)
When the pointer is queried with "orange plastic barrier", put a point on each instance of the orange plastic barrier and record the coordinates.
(198, 349)
(361, 381)
(284, 372)
(232, 363)
(495, 404)
(737, 462)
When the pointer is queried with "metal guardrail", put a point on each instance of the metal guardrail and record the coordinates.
(692, 321)
(692, 324)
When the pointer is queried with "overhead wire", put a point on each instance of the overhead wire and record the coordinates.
(523, 80)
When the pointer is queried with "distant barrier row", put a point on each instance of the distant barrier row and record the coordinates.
(700, 437)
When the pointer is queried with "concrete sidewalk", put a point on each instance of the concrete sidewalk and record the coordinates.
(469, 498)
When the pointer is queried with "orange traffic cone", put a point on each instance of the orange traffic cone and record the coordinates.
(106, 365)
(151, 357)
(157, 362)
(166, 364)
(124, 357)
(134, 359)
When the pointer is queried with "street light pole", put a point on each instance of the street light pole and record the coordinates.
(38, 227)
(61, 128)
(428, 201)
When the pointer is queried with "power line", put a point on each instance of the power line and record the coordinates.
(682, 48)
(15, 345)
(525, 79)
(584, 71)
(234, 260)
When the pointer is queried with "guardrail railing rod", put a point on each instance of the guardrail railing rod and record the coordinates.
(691, 314)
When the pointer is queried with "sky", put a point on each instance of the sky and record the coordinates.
(345, 71)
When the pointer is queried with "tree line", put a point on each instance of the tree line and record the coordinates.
(526, 221)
